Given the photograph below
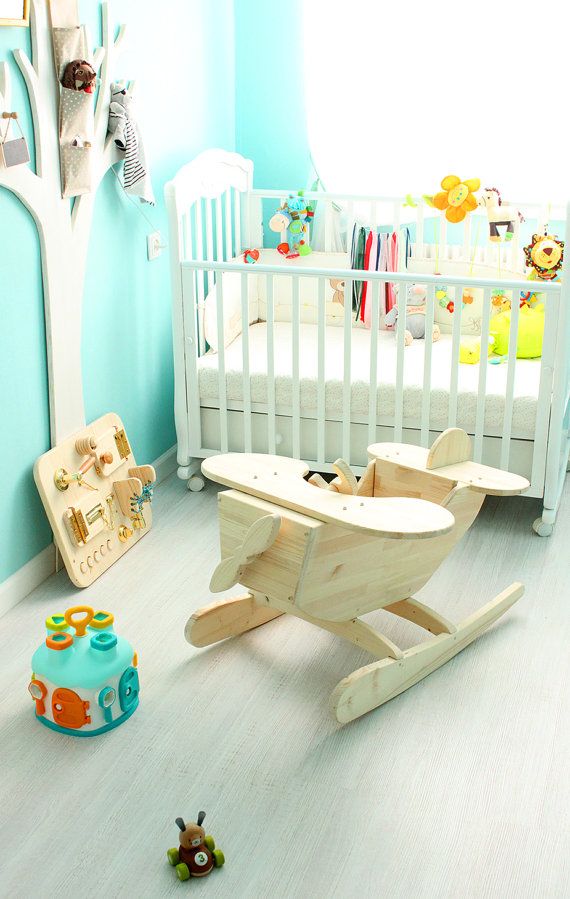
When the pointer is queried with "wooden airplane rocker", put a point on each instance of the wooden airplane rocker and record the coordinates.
(328, 553)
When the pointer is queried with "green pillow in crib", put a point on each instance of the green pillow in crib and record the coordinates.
(530, 334)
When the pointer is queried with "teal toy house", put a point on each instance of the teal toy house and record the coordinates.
(86, 682)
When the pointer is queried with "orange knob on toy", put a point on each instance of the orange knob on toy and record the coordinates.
(59, 641)
(106, 458)
(81, 625)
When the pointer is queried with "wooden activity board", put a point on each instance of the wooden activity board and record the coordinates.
(96, 497)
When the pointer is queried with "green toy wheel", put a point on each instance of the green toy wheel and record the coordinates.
(182, 871)
(219, 858)
(173, 856)
(210, 842)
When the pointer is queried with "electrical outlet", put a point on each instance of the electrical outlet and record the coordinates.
(154, 245)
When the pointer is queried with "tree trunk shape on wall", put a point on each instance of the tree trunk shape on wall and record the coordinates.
(64, 226)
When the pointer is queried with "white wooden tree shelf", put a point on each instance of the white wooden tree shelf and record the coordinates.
(64, 227)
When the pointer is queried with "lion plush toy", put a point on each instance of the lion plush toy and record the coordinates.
(415, 323)
(544, 256)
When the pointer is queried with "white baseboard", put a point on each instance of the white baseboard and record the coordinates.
(31, 575)
(27, 578)
(166, 464)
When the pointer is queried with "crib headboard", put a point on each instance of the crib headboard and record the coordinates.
(206, 194)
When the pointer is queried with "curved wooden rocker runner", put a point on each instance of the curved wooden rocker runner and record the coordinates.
(328, 553)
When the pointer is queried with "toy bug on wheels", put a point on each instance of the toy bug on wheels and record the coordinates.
(197, 854)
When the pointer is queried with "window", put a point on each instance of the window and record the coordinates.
(400, 94)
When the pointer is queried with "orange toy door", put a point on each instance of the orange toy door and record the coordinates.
(68, 709)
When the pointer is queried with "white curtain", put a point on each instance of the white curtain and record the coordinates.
(400, 94)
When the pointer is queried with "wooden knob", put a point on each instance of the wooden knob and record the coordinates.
(106, 458)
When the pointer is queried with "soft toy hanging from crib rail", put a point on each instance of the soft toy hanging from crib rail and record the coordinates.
(499, 214)
(456, 197)
(544, 256)
(293, 217)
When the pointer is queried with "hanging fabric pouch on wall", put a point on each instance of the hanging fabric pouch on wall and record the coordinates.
(14, 151)
(77, 83)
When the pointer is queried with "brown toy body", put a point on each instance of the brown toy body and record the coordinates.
(198, 858)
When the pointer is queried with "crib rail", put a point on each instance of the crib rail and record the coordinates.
(319, 436)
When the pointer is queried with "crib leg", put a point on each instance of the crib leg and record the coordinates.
(375, 684)
(226, 618)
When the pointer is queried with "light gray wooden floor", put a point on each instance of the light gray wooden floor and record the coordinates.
(458, 788)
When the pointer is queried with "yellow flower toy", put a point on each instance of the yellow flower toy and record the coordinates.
(457, 198)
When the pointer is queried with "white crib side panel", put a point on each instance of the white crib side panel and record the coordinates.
(176, 251)
(229, 252)
(237, 221)
(271, 424)
(428, 347)
(245, 363)
(510, 386)
(347, 369)
(373, 379)
(551, 319)
(321, 350)
(455, 340)
(219, 230)
(296, 387)
(222, 392)
(191, 350)
(400, 351)
(482, 384)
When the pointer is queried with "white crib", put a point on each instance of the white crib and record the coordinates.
(265, 361)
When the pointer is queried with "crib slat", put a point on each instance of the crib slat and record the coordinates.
(347, 371)
(200, 275)
(190, 313)
(228, 215)
(245, 363)
(428, 346)
(551, 315)
(400, 350)
(482, 385)
(219, 230)
(455, 340)
(186, 237)
(209, 242)
(466, 237)
(420, 232)
(397, 217)
(296, 388)
(237, 221)
(373, 380)
(510, 387)
(328, 226)
(442, 238)
(271, 426)
(222, 392)
(321, 372)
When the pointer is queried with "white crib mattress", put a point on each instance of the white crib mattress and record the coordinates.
(527, 375)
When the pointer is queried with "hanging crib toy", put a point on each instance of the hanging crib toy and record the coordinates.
(292, 221)
(86, 683)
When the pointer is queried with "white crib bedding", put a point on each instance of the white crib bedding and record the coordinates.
(527, 376)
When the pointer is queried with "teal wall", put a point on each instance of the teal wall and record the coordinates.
(269, 94)
(185, 94)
